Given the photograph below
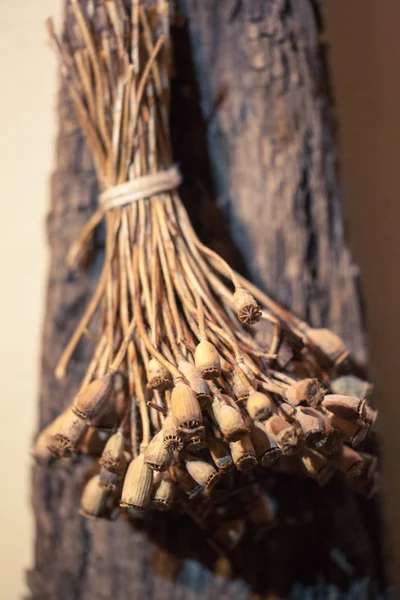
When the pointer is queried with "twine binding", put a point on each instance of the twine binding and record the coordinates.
(121, 195)
(140, 188)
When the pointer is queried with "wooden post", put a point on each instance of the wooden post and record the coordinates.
(252, 129)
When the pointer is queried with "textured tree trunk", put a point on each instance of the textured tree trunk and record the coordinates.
(252, 130)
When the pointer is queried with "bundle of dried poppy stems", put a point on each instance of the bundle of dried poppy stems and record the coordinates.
(184, 404)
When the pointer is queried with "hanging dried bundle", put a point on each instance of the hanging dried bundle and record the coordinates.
(179, 382)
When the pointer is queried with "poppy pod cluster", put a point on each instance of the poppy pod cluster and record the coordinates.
(184, 401)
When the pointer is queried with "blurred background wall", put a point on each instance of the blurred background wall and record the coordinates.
(364, 56)
(27, 132)
(363, 39)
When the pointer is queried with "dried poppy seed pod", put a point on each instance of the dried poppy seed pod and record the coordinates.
(345, 407)
(330, 344)
(349, 462)
(196, 382)
(260, 406)
(229, 420)
(163, 495)
(306, 392)
(285, 435)
(67, 436)
(241, 386)
(317, 466)
(202, 472)
(267, 450)
(353, 431)
(157, 476)
(109, 480)
(158, 376)
(312, 425)
(172, 438)
(247, 309)
(185, 481)
(136, 492)
(185, 408)
(156, 455)
(41, 452)
(207, 360)
(93, 499)
(333, 437)
(220, 454)
(243, 454)
(113, 458)
(89, 402)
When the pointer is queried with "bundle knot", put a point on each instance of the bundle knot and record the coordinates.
(140, 188)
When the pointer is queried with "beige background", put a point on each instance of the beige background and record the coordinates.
(365, 59)
(27, 102)
(366, 73)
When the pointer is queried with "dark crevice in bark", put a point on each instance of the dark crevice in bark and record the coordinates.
(191, 153)
(86, 547)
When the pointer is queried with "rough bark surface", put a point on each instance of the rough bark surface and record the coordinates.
(257, 138)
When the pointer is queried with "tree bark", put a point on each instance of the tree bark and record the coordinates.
(253, 133)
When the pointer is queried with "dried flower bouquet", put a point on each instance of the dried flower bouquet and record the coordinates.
(181, 396)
